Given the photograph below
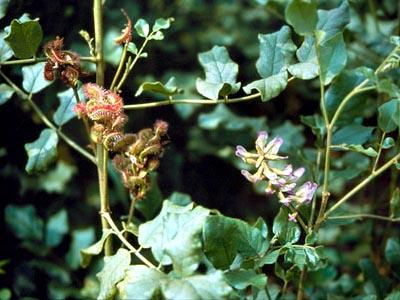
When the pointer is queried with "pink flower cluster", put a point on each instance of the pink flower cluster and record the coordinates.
(281, 180)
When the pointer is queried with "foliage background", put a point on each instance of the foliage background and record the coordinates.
(198, 160)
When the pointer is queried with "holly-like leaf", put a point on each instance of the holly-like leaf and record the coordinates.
(113, 272)
(221, 73)
(141, 280)
(162, 23)
(24, 38)
(332, 55)
(241, 279)
(95, 249)
(353, 134)
(269, 87)
(202, 287)
(334, 20)
(42, 152)
(142, 28)
(33, 78)
(24, 222)
(276, 52)
(395, 204)
(307, 68)
(175, 234)
(56, 228)
(6, 93)
(225, 237)
(168, 89)
(302, 15)
(286, 231)
(389, 115)
(65, 111)
(5, 50)
(81, 238)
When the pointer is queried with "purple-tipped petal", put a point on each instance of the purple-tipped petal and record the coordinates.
(288, 170)
(261, 140)
(298, 173)
(286, 201)
(292, 217)
(249, 176)
(240, 151)
(306, 191)
(274, 145)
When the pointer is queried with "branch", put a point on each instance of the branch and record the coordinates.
(365, 216)
(40, 59)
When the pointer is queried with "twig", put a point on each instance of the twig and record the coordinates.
(364, 216)
(41, 59)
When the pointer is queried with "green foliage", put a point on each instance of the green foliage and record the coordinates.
(302, 15)
(168, 89)
(285, 230)
(5, 50)
(24, 38)
(65, 112)
(6, 93)
(221, 73)
(33, 78)
(24, 222)
(81, 238)
(95, 249)
(42, 152)
(395, 204)
(389, 115)
(56, 228)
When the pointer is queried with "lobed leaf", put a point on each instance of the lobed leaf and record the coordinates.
(65, 111)
(112, 273)
(307, 68)
(221, 73)
(334, 20)
(24, 38)
(95, 249)
(42, 152)
(269, 87)
(302, 15)
(168, 89)
(6, 93)
(81, 238)
(33, 78)
(24, 222)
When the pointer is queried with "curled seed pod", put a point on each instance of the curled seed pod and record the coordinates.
(93, 91)
(126, 34)
(96, 133)
(151, 150)
(112, 139)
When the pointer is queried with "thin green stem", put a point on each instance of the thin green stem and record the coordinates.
(120, 235)
(40, 59)
(131, 210)
(379, 152)
(365, 216)
(314, 200)
(120, 66)
(129, 67)
(362, 184)
(101, 152)
(300, 291)
(46, 121)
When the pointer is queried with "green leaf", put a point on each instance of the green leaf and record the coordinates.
(270, 258)
(301, 256)
(269, 87)
(357, 148)
(334, 20)
(141, 280)
(241, 279)
(286, 231)
(380, 283)
(395, 204)
(180, 199)
(395, 295)
(332, 56)
(95, 249)
(340, 88)
(389, 115)
(33, 78)
(5, 51)
(392, 251)
(302, 15)
(142, 28)
(162, 23)
(201, 287)
(24, 38)
(42, 152)
(151, 205)
(3, 10)
(221, 73)
(225, 237)
(316, 123)
(388, 143)
(112, 273)
(276, 52)
(56, 228)
(169, 89)
(132, 48)
(6, 93)
(174, 236)
(353, 134)
(65, 111)
(56, 180)
(81, 238)
(5, 294)
(24, 222)
(307, 68)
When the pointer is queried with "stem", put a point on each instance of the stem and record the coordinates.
(101, 152)
(40, 59)
(314, 201)
(130, 67)
(365, 216)
(114, 227)
(362, 184)
(298, 217)
(121, 64)
(300, 291)
(131, 212)
(379, 152)
(46, 121)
